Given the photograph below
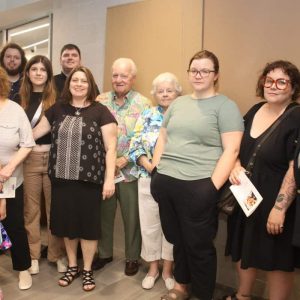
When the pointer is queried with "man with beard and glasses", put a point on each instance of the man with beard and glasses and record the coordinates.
(13, 60)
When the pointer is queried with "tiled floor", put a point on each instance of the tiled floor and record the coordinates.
(111, 282)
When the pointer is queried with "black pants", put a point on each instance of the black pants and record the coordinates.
(188, 216)
(14, 225)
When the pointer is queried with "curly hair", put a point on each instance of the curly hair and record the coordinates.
(288, 68)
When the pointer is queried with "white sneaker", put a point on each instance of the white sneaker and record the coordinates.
(62, 264)
(169, 283)
(25, 280)
(34, 269)
(149, 281)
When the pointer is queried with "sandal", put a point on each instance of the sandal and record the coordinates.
(68, 277)
(88, 280)
(178, 295)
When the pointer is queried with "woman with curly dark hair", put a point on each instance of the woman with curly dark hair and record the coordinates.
(264, 240)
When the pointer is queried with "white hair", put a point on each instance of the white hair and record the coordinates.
(128, 61)
(166, 77)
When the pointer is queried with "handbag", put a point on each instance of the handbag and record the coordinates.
(5, 240)
(227, 202)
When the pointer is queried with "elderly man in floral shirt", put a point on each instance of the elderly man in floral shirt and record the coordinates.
(126, 105)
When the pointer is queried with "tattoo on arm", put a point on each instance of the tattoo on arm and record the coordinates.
(287, 191)
(280, 198)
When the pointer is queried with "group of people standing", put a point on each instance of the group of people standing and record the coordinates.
(164, 164)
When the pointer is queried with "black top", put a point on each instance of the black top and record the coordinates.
(77, 149)
(34, 103)
(60, 80)
(248, 239)
(14, 91)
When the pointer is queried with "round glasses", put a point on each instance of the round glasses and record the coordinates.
(203, 72)
(280, 83)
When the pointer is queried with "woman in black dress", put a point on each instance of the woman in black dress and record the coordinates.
(81, 167)
(264, 240)
(296, 236)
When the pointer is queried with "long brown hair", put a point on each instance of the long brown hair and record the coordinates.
(49, 93)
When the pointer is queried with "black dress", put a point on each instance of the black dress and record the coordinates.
(76, 169)
(248, 239)
(296, 237)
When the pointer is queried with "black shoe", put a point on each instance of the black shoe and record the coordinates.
(131, 267)
(99, 262)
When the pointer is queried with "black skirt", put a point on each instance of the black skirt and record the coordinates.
(75, 209)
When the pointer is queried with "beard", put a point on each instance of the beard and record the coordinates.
(12, 72)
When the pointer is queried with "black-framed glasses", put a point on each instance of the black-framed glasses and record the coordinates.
(203, 72)
(280, 83)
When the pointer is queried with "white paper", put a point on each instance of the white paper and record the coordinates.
(246, 194)
(119, 177)
(9, 188)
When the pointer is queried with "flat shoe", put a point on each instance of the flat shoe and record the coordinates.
(169, 283)
(25, 280)
(149, 281)
(34, 269)
(61, 265)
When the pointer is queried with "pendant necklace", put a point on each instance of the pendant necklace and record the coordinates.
(78, 109)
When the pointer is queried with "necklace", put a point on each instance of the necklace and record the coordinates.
(78, 109)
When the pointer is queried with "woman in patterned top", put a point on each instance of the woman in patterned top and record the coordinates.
(37, 94)
(81, 167)
(165, 88)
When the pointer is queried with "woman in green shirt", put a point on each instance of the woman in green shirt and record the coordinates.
(196, 150)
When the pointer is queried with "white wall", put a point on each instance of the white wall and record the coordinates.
(82, 23)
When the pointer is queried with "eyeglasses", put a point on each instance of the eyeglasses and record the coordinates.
(203, 72)
(280, 83)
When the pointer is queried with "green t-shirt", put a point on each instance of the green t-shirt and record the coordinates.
(194, 128)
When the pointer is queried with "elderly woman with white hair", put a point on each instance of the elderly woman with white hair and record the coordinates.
(165, 88)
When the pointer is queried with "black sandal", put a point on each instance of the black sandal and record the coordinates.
(88, 280)
(68, 277)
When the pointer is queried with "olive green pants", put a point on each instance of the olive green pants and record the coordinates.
(127, 195)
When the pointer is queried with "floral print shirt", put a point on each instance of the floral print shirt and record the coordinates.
(146, 132)
(126, 116)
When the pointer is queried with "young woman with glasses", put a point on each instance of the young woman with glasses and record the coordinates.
(264, 240)
(196, 150)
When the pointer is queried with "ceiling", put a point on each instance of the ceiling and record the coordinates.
(21, 14)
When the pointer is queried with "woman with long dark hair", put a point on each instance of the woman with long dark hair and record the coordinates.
(37, 94)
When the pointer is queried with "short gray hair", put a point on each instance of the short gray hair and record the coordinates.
(128, 61)
(166, 77)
